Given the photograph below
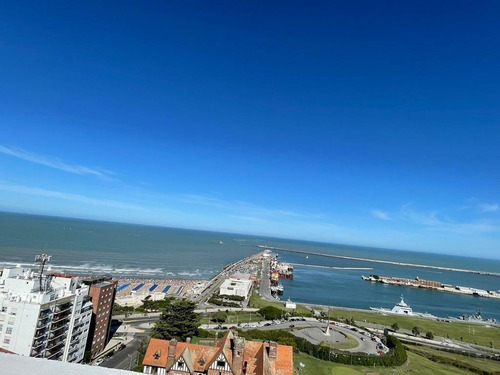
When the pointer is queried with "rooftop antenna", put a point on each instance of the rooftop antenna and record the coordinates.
(42, 259)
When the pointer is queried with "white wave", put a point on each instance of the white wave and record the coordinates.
(187, 274)
(15, 264)
(86, 267)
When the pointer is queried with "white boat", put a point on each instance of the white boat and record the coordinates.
(402, 308)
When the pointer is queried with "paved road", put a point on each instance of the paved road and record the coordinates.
(203, 297)
(314, 330)
(265, 282)
(127, 357)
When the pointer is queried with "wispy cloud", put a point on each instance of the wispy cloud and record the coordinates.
(247, 208)
(478, 206)
(439, 222)
(55, 163)
(67, 196)
(489, 207)
(381, 215)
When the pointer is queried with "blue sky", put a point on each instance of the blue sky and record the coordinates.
(358, 122)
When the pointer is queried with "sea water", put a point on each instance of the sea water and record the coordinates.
(95, 247)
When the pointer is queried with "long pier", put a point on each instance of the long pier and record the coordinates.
(333, 268)
(488, 273)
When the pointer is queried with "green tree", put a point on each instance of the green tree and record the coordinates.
(87, 357)
(429, 335)
(395, 326)
(416, 331)
(270, 313)
(178, 320)
(219, 317)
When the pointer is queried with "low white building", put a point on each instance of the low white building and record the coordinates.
(236, 287)
(45, 317)
(290, 305)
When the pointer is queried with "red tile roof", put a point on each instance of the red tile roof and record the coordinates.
(198, 358)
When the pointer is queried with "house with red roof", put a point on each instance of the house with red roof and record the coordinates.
(232, 355)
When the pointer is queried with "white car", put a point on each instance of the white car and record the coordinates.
(98, 362)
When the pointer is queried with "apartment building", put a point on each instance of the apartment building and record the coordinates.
(44, 316)
(102, 291)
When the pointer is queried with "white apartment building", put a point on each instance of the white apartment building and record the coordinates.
(44, 317)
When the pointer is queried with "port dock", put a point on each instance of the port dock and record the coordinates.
(432, 285)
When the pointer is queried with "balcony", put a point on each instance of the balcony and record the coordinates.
(36, 351)
(37, 344)
(76, 333)
(86, 309)
(64, 307)
(73, 348)
(45, 314)
(54, 354)
(58, 325)
(61, 321)
(56, 334)
(40, 333)
(55, 345)
(42, 323)
(47, 310)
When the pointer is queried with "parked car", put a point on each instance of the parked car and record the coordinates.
(98, 362)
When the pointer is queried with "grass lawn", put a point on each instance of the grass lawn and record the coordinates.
(257, 302)
(418, 365)
(349, 343)
(243, 317)
(472, 333)
(480, 363)
(235, 317)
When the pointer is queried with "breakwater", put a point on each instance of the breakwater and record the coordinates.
(334, 268)
(403, 264)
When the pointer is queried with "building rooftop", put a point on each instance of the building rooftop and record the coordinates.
(17, 364)
(198, 358)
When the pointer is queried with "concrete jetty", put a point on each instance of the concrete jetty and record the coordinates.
(430, 284)
(380, 261)
(333, 268)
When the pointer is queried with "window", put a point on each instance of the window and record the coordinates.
(8, 331)
(220, 363)
(6, 340)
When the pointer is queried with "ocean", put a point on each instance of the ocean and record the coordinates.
(127, 250)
